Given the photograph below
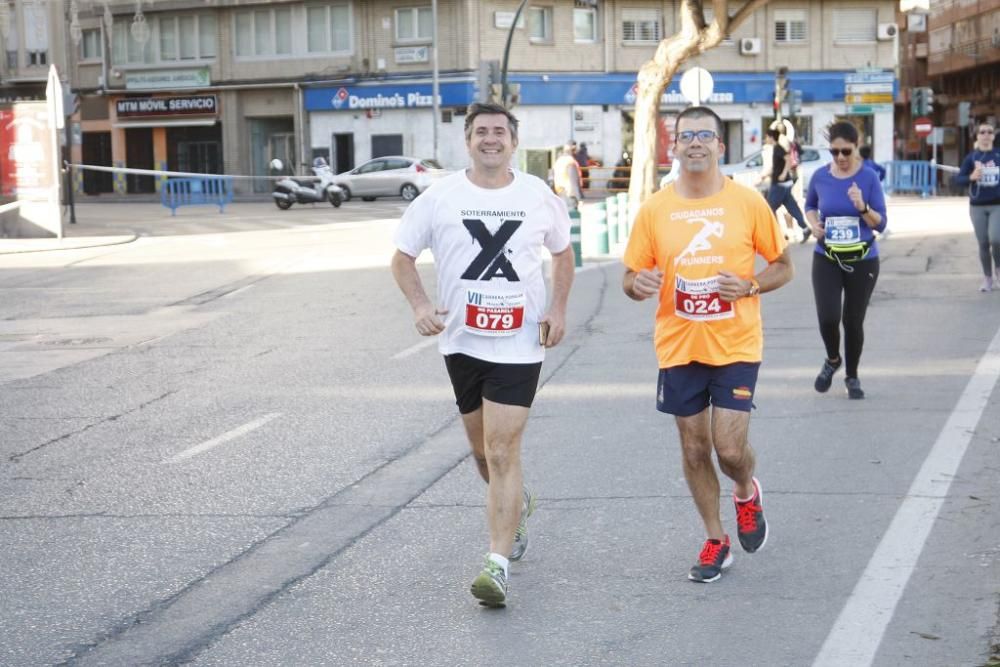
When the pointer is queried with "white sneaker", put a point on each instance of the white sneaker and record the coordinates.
(987, 285)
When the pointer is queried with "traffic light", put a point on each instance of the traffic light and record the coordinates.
(916, 101)
(488, 80)
(780, 89)
(795, 105)
(922, 101)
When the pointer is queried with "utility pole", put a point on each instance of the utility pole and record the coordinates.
(506, 53)
(435, 106)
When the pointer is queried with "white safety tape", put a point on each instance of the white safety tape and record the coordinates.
(181, 174)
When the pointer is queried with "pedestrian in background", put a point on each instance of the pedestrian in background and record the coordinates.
(582, 157)
(866, 156)
(694, 247)
(567, 177)
(779, 191)
(980, 171)
(486, 227)
(622, 173)
(845, 205)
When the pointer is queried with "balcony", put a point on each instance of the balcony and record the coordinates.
(946, 12)
(964, 56)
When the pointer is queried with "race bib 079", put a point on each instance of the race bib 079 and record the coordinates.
(700, 300)
(489, 314)
(842, 230)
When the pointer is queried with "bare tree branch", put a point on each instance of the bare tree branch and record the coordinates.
(693, 38)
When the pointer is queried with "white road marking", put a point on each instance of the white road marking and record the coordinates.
(237, 291)
(225, 437)
(859, 629)
(413, 349)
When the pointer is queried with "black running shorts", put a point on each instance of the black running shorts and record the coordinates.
(474, 379)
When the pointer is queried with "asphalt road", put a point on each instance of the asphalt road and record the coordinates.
(223, 443)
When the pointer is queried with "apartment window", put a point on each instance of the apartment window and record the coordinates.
(641, 25)
(790, 26)
(11, 44)
(855, 25)
(189, 37)
(709, 14)
(90, 44)
(414, 24)
(264, 32)
(585, 25)
(127, 51)
(36, 33)
(540, 24)
(329, 28)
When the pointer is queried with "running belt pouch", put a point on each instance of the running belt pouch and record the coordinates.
(848, 253)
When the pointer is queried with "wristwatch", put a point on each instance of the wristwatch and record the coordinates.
(754, 288)
(867, 209)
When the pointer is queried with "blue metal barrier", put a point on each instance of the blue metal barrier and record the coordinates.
(909, 176)
(206, 190)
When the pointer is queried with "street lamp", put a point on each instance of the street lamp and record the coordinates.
(506, 53)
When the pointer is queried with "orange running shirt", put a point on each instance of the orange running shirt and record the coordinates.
(691, 240)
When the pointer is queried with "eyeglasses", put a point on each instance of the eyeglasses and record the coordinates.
(846, 152)
(704, 136)
(986, 131)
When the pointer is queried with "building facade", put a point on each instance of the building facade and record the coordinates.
(224, 87)
(952, 48)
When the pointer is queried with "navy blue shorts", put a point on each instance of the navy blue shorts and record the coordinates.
(687, 390)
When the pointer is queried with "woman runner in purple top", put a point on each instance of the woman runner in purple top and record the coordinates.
(845, 206)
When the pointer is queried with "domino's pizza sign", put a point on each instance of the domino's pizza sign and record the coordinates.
(390, 96)
(340, 98)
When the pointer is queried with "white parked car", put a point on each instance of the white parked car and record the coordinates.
(390, 176)
(811, 158)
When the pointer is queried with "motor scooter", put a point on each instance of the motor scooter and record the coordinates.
(288, 191)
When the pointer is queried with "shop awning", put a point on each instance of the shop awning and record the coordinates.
(163, 122)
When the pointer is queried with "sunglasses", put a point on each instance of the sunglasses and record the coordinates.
(984, 131)
(846, 152)
(704, 136)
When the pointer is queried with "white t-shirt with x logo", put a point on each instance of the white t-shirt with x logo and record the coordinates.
(487, 246)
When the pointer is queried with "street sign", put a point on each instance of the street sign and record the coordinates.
(923, 126)
(696, 85)
(867, 109)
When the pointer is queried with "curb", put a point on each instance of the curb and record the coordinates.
(23, 246)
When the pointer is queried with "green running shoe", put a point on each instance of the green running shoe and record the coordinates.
(490, 587)
(521, 534)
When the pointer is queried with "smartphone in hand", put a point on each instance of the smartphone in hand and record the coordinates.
(543, 333)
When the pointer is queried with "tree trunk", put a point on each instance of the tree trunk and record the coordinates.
(694, 37)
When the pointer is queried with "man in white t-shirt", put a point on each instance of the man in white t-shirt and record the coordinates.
(486, 227)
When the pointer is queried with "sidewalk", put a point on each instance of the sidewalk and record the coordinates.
(108, 223)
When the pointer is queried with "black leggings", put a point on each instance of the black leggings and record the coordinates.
(829, 282)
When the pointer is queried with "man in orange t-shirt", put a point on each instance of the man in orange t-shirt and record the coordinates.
(694, 245)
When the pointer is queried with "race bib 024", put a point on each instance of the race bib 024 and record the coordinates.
(700, 300)
(489, 314)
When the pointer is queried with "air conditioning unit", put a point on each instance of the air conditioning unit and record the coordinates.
(886, 31)
(749, 46)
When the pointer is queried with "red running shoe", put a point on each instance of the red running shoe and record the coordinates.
(751, 527)
(713, 559)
